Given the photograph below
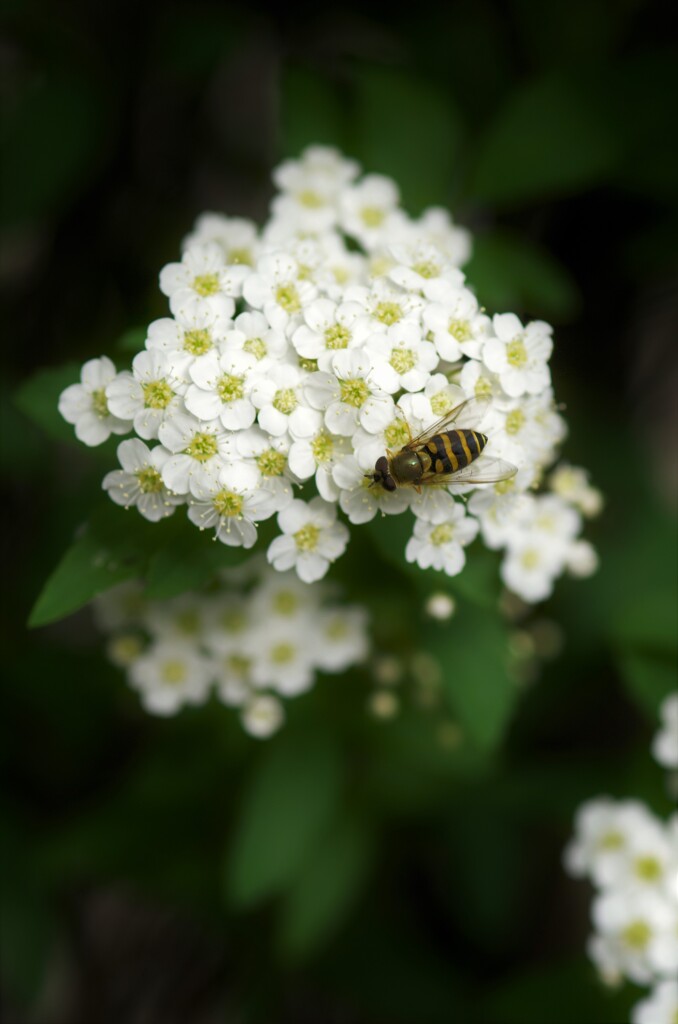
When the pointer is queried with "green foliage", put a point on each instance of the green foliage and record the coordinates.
(38, 399)
(288, 805)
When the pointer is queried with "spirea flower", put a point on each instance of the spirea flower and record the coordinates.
(312, 347)
(254, 638)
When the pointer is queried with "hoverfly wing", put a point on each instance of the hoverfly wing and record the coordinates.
(483, 471)
(469, 414)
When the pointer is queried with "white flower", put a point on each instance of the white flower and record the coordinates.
(85, 405)
(660, 1007)
(236, 236)
(529, 569)
(311, 539)
(385, 305)
(318, 455)
(270, 457)
(355, 393)
(420, 265)
(278, 397)
(409, 359)
(180, 619)
(199, 451)
(251, 333)
(637, 935)
(455, 324)
(221, 389)
(665, 742)
(438, 398)
(262, 716)
(581, 559)
(329, 327)
(572, 484)
(341, 638)
(186, 339)
(369, 210)
(602, 836)
(231, 504)
(435, 226)
(139, 482)
(277, 288)
(202, 281)
(170, 674)
(281, 658)
(519, 355)
(149, 395)
(440, 544)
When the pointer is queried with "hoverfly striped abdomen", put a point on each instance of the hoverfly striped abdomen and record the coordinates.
(452, 450)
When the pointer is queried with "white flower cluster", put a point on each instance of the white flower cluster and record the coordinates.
(665, 742)
(303, 352)
(631, 857)
(259, 637)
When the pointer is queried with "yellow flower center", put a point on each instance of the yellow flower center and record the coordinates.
(150, 481)
(611, 841)
(441, 403)
(287, 296)
(206, 284)
(648, 868)
(459, 329)
(202, 447)
(396, 434)
(403, 360)
(271, 462)
(426, 269)
(441, 534)
(255, 347)
(285, 401)
(285, 602)
(388, 313)
(240, 256)
(322, 447)
(188, 622)
(337, 337)
(372, 216)
(516, 353)
(238, 665)
(100, 403)
(310, 199)
(310, 365)
(530, 559)
(504, 486)
(197, 342)
(483, 388)
(307, 537)
(157, 394)
(173, 672)
(354, 392)
(637, 934)
(515, 421)
(230, 388)
(226, 503)
(336, 629)
(282, 654)
(233, 621)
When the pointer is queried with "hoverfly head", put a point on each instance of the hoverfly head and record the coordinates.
(382, 474)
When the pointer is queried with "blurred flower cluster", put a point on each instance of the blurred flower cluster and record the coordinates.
(631, 858)
(257, 636)
(300, 353)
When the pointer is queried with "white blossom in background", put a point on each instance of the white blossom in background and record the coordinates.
(631, 857)
(665, 742)
(310, 347)
(256, 638)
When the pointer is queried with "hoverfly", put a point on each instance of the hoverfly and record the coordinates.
(443, 454)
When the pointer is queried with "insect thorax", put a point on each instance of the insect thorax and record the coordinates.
(406, 467)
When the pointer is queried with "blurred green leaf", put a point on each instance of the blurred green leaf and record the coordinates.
(51, 132)
(408, 129)
(649, 679)
(473, 651)
(132, 340)
(38, 399)
(511, 272)
(311, 111)
(287, 807)
(324, 893)
(550, 139)
(192, 559)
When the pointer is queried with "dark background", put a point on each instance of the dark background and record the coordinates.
(549, 131)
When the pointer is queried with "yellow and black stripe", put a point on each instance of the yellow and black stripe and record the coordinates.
(453, 449)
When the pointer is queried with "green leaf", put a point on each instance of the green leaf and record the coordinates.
(473, 651)
(550, 139)
(311, 111)
(389, 101)
(132, 340)
(89, 567)
(38, 399)
(288, 805)
(511, 272)
(649, 679)
(326, 890)
(188, 563)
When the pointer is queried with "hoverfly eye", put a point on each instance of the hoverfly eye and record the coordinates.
(389, 483)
